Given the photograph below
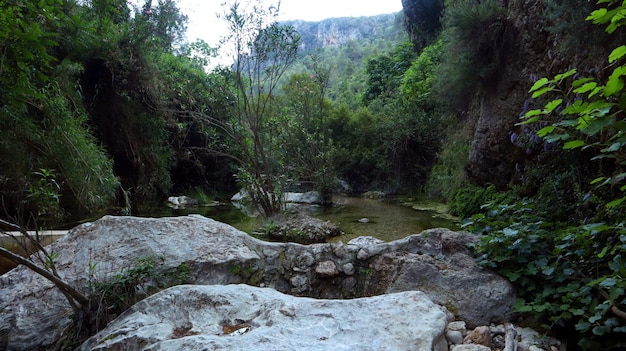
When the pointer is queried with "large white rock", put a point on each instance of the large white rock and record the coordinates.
(192, 317)
(310, 197)
(34, 314)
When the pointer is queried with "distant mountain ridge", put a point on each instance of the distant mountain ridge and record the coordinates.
(335, 32)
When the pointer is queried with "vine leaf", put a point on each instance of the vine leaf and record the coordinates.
(617, 53)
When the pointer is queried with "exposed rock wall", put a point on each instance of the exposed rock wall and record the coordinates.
(532, 52)
(334, 32)
(493, 157)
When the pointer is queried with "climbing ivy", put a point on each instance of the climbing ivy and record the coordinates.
(572, 275)
(589, 112)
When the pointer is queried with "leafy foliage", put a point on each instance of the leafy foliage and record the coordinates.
(345, 54)
(589, 114)
(303, 123)
(470, 199)
(395, 139)
(135, 283)
(43, 122)
(571, 273)
(263, 50)
(385, 71)
(571, 277)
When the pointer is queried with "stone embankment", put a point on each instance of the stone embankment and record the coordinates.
(436, 263)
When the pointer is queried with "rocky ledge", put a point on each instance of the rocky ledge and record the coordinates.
(435, 262)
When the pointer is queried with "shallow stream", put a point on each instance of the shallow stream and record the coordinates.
(388, 219)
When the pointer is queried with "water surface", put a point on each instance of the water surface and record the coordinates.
(388, 219)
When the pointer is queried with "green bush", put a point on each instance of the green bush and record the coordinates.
(569, 277)
(146, 277)
(417, 81)
(470, 199)
(447, 174)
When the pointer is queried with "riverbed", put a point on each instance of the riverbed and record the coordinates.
(387, 219)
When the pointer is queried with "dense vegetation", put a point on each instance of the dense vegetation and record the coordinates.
(558, 233)
(103, 105)
(110, 107)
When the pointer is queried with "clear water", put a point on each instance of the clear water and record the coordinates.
(388, 220)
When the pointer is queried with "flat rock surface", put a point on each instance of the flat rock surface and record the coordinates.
(241, 317)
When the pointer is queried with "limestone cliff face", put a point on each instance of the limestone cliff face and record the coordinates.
(334, 32)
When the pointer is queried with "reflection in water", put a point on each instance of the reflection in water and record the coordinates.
(387, 220)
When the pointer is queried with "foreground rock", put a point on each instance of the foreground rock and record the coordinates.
(241, 317)
(435, 262)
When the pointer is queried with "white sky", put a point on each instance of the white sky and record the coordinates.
(204, 24)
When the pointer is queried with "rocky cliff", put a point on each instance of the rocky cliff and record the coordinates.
(535, 48)
(334, 32)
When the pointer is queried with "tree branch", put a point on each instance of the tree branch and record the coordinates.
(616, 310)
(63, 286)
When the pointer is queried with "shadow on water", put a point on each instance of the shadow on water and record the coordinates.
(387, 220)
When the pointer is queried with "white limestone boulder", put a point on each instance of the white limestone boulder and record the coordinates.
(241, 317)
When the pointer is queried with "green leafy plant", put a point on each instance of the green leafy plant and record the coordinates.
(135, 283)
(571, 273)
(570, 277)
(262, 50)
(45, 192)
(589, 113)
(469, 199)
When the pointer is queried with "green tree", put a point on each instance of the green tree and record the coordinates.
(385, 71)
(304, 129)
(165, 24)
(43, 124)
(263, 50)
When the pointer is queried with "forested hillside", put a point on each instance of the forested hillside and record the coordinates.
(344, 45)
(512, 112)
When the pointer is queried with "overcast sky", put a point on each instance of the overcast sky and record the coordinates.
(203, 23)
